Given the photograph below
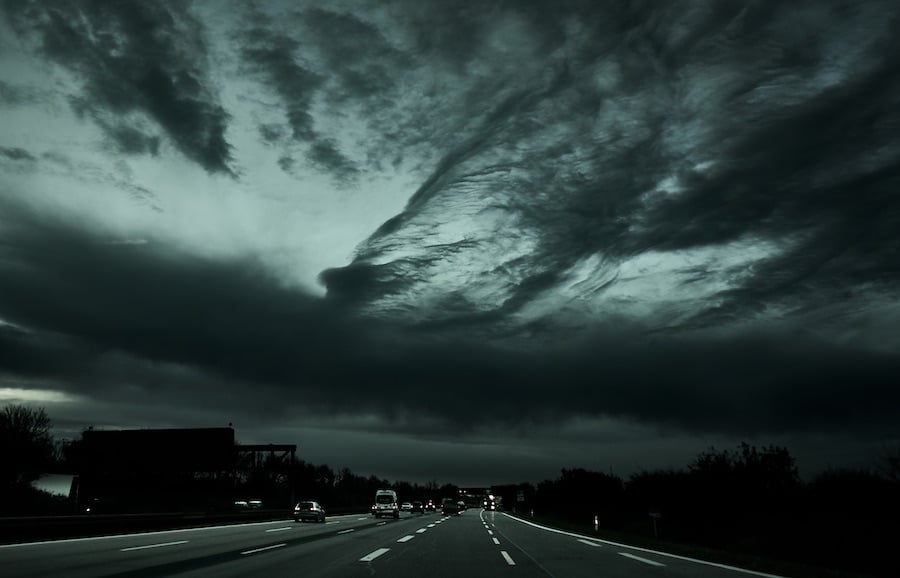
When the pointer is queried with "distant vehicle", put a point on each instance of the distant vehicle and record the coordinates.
(386, 504)
(450, 506)
(461, 506)
(309, 510)
(406, 507)
(430, 507)
(490, 503)
(418, 507)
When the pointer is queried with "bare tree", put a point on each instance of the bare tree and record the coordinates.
(26, 446)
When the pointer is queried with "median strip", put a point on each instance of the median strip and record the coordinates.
(639, 559)
(372, 555)
(153, 546)
(272, 547)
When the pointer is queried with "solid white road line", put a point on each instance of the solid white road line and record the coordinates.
(589, 543)
(263, 549)
(372, 555)
(278, 529)
(347, 531)
(153, 546)
(506, 557)
(639, 559)
(496, 541)
(406, 538)
(639, 549)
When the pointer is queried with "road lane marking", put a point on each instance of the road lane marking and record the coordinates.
(496, 541)
(421, 530)
(358, 519)
(381, 523)
(347, 531)
(431, 525)
(639, 559)
(639, 549)
(153, 546)
(278, 529)
(326, 523)
(372, 555)
(490, 532)
(202, 529)
(263, 549)
(507, 557)
(589, 543)
(406, 538)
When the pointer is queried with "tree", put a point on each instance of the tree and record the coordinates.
(26, 446)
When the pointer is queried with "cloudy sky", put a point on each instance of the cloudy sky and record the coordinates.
(465, 241)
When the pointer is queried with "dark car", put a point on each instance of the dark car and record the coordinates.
(449, 506)
(430, 507)
(309, 510)
(417, 507)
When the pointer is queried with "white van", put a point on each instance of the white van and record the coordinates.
(386, 504)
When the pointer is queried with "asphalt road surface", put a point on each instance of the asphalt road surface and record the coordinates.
(474, 544)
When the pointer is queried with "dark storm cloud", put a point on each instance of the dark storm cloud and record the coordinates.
(12, 94)
(81, 302)
(135, 57)
(16, 154)
(768, 136)
(557, 132)
(277, 58)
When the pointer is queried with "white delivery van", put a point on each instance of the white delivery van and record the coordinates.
(386, 504)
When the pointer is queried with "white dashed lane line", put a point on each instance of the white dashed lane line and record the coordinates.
(278, 529)
(507, 557)
(431, 525)
(161, 545)
(421, 530)
(263, 549)
(589, 543)
(347, 531)
(639, 559)
(406, 538)
(372, 555)
(496, 541)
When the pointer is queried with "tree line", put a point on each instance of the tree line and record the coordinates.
(748, 501)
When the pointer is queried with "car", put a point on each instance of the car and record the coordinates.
(430, 507)
(449, 506)
(461, 506)
(406, 507)
(386, 504)
(418, 507)
(309, 510)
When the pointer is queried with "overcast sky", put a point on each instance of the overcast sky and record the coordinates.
(470, 242)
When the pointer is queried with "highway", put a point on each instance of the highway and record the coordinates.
(474, 544)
